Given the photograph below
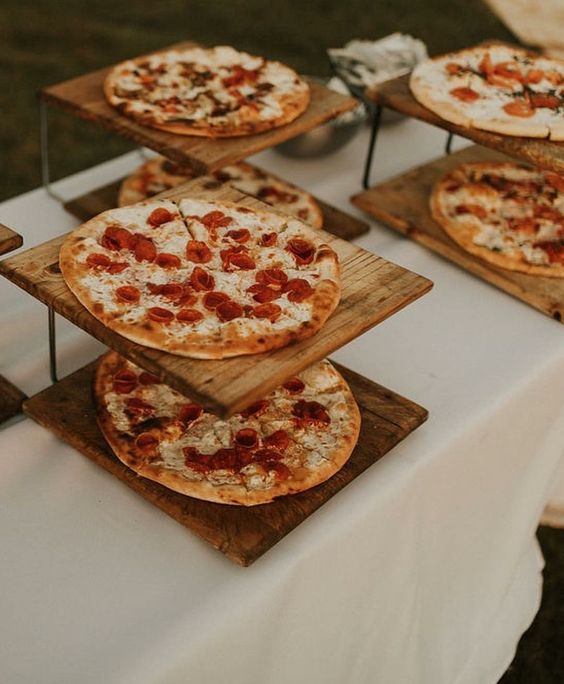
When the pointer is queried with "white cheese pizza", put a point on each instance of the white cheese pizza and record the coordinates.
(495, 88)
(160, 174)
(212, 92)
(507, 214)
(297, 437)
(202, 279)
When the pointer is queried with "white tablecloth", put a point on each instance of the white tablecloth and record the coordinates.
(424, 569)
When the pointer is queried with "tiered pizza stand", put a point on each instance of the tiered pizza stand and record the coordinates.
(11, 397)
(403, 202)
(373, 289)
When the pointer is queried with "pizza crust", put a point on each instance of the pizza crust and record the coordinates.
(464, 231)
(177, 479)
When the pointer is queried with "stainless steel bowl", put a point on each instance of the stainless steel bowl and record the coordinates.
(327, 138)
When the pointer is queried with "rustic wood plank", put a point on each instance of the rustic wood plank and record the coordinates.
(396, 94)
(84, 97)
(11, 398)
(403, 204)
(242, 534)
(9, 240)
(335, 221)
(373, 289)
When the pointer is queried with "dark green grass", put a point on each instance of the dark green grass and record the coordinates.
(45, 42)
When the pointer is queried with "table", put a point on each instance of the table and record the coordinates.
(424, 569)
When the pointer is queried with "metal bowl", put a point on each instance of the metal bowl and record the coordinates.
(327, 138)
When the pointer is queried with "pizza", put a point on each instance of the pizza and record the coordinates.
(211, 92)
(202, 279)
(160, 174)
(507, 214)
(297, 437)
(495, 88)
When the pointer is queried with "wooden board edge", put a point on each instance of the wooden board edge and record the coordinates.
(9, 239)
(241, 556)
(11, 399)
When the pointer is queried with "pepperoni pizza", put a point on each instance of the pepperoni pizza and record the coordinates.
(509, 215)
(294, 439)
(202, 279)
(211, 92)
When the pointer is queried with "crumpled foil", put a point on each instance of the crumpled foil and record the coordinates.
(365, 63)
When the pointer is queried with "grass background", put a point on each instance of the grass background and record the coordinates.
(47, 41)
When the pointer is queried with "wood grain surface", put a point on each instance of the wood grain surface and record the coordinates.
(372, 290)
(335, 221)
(84, 97)
(11, 398)
(403, 204)
(396, 94)
(242, 534)
(9, 240)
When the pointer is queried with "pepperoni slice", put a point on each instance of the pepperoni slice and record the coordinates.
(269, 239)
(139, 408)
(474, 209)
(228, 311)
(116, 238)
(189, 413)
(160, 315)
(274, 277)
(198, 252)
(555, 180)
(298, 290)
(269, 310)
(294, 386)
(213, 299)
(264, 294)
(215, 219)
(148, 378)
(240, 75)
(311, 411)
(548, 213)
(247, 438)
(225, 459)
(240, 260)
(453, 68)
(302, 250)
(282, 471)
(144, 249)
(128, 294)
(520, 108)
(124, 381)
(533, 76)
(523, 225)
(189, 315)
(264, 455)
(97, 260)
(240, 235)
(117, 267)
(166, 260)
(159, 216)
(465, 94)
(171, 291)
(554, 250)
(255, 409)
(201, 280)
(546, 100)
(146, 441)
(278, 440)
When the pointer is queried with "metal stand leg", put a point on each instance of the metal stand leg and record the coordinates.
(44, 144)
(448, 146)
(52, 346)
(376, 115)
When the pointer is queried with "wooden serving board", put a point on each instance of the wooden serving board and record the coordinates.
(372, 290)
(335, 221)
(84, 97)
(403, 204)
(242, 534)
(396, 94)
(9, 240)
